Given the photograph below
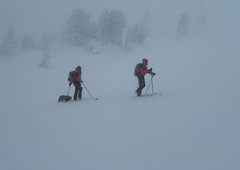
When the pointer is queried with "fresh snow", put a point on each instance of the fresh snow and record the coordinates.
(193, 125)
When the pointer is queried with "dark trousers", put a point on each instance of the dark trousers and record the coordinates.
(78, 90)
(141, 82)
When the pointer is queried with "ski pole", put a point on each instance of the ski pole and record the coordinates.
(149, 84)
(88, 91)
(152, 87)
(67, 93)
(68, 90)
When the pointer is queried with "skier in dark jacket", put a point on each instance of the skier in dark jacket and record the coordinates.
(142, 71)
(76, 80)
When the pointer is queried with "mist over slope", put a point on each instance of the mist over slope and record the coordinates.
(194, 124)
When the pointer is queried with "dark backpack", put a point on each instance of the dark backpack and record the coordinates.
(137, 69)
(72, 74)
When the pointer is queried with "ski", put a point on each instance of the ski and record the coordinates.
(155, 93)
(82, 100)
(150, 94)
(74, 100)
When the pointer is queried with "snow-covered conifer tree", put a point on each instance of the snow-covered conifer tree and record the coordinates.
(52, 36)
(182, 26)
(104, 25)
(64, 36)
(45, 61)
(76, 30)
(202, 14)
(111, 26)
(130, 40)
(27, 42)
(94, 43)
(145, 24)
(139, 33)
(117, 23)
(45, 43)
(135, 35)
(9, 45)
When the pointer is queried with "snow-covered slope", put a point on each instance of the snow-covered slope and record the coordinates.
(194, 124)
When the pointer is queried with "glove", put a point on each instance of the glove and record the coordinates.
(150, 70)
(153, 74)
(70, 84)
(81, 81)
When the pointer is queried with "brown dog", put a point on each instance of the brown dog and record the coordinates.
(64, 98)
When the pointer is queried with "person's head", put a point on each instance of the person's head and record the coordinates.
(145, 61)
(79, 68)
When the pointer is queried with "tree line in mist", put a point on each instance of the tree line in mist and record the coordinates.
(80, 31)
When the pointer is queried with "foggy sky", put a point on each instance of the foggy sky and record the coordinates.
(37, 16)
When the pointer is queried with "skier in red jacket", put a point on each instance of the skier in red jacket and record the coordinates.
(142, 71)
(76, 80)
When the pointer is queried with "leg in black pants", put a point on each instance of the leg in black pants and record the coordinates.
(78, 91)
(141, 82)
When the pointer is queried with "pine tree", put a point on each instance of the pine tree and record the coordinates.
(202, 14)
(27, 42)
(76, 30)
(140, 34)
(45, 61)
(111, 26)
(182, 26)
(135, 35)
(94, 43)
(45, 43)
(130, 40)
(145, 24)
(104, 25)
(117, 24)
(52, 36)
(9, 44)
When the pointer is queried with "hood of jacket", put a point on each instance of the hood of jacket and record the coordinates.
(77, 71)
(144, 62)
